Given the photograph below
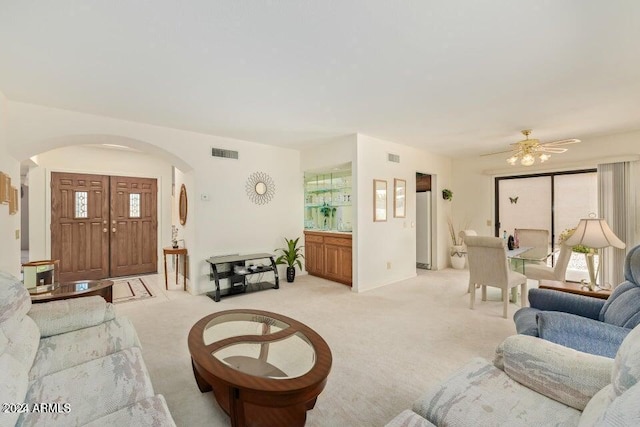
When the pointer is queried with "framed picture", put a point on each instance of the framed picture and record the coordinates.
(5, 183)
(13, 201)
(399, 198)
(379, 200)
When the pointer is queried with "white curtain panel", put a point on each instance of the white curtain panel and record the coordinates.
(616, 204)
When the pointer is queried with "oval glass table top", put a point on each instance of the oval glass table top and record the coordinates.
(244, 346)
(272, 348)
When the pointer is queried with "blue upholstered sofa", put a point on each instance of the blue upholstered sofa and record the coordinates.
(583, 323)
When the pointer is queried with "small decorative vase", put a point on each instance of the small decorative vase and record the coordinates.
(291, 274)
(458, 257)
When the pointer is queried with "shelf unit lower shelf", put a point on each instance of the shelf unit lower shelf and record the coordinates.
(238, 281)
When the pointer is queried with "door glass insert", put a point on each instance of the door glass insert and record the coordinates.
(134, 205)
(81, 204)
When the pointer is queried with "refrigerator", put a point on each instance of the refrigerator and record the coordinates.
(423, 230)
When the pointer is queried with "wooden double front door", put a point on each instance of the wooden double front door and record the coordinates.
(103, 226)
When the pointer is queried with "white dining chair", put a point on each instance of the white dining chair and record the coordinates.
(488, 266)
(533, 238)
(557, 272)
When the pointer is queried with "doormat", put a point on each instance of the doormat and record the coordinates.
(130, 290)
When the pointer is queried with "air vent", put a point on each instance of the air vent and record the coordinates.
(227, 154)
(393, 158)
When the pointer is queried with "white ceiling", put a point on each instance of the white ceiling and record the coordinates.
(454, 77)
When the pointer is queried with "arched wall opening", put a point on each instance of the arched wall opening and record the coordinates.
(112, 155)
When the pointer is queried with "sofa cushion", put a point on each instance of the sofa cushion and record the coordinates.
(482, 395)
(149, 412)
(624, 411)
(13, 387)
(409, 418)
(623, 306)
(91, 390)
(626, 368)
(560, 373)
(15, 301)
(58, 317)
(596, 407)
(74, 348)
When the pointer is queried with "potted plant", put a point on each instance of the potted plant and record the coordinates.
(291, 256)
(447, 194)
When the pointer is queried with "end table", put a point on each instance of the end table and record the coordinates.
(176, 252)
(574, 288)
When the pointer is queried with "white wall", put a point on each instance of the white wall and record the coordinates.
(228, 222)
(9, 244)
(394, 241)
(79, 159)
(473, 178)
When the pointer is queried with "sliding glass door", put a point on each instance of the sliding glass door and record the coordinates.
(551, 201)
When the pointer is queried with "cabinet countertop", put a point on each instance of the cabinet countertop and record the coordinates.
(336, 232)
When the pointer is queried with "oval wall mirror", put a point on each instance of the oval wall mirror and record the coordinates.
(183, 205)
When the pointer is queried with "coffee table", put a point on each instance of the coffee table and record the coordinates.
(66, 290)
(265, 369)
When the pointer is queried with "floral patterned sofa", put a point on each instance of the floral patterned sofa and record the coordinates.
(71, 363)
(534, 382)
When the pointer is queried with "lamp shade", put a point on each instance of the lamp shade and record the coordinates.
(594, 233)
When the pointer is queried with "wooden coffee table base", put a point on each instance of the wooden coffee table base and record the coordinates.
(257, 409)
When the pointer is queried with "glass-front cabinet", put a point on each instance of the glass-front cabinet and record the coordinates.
(327, 200)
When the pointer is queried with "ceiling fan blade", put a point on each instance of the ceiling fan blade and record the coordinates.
(554, 150)
(499, 152)
(562, 142)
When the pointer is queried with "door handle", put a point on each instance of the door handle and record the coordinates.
(113, 229)
(104, 230)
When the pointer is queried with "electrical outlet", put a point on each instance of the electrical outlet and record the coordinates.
(17, 234)
(488, 223)
(388, 265)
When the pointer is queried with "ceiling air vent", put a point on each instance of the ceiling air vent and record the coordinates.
(227, 154)
(393, 158)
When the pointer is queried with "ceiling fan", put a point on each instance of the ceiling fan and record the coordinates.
(527, 150)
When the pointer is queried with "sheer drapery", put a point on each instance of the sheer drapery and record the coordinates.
(616, 205)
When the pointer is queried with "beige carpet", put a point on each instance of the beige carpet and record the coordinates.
(389, 345)
(130, 289)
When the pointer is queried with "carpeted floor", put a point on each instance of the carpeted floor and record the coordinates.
(389, 345)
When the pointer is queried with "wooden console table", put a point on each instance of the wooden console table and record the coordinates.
(235, 268)
(176, 252)
(574, 288)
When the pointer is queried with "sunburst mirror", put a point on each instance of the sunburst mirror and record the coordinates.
(260, 188)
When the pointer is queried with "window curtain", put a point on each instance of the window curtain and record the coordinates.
(616, 205)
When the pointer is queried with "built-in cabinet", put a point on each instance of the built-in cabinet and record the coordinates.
(328, 255)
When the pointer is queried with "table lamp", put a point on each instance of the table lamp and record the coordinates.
(595, 234)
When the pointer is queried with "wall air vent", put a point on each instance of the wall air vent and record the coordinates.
(227, 154)
(393, 158)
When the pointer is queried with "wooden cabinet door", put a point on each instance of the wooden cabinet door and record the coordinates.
(345, 260)
(332, 261)
(314, 257)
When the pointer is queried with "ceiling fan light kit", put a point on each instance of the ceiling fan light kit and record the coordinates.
(528, 150)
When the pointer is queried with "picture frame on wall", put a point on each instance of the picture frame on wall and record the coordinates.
(13, 201)
(379, 200)
(399, 198)
(5, 184)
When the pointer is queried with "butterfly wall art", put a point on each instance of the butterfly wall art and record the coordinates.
(513, 199)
